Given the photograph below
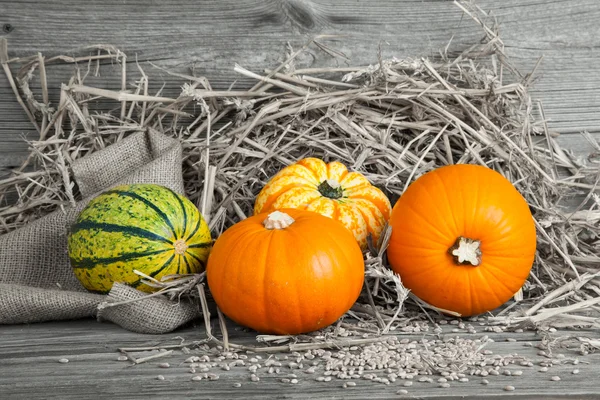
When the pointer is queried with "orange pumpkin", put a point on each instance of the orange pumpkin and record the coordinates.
(330, 190)
(463, 239)
(286, 272)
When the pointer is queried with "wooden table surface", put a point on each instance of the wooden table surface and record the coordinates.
(208, 37)
(30, 369)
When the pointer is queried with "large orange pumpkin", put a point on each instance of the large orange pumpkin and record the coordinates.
(463, 239)
(330, 190)
(286, 272)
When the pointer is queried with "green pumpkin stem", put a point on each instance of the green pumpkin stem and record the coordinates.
(331, 189)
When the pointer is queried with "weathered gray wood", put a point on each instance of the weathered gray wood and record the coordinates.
(29, 368)
(210, 36)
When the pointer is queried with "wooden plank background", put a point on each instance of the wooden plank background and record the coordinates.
(208, 37)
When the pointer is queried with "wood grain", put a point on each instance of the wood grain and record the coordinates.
(30, 369)
(208, 37)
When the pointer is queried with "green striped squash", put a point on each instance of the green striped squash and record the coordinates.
(142, 227)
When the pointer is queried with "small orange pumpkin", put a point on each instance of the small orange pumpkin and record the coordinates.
(330, 190)
(463, 239)
(286, 272)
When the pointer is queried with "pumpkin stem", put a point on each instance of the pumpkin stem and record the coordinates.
(180, 246)
(278, 220)
(331, 188)
(466, 251)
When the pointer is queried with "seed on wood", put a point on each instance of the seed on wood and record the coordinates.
(485, 382)
(442, 380)
(509, 388)
(253, 359)
(63, 360)
(517, 373)
(349, 384)
(555, 378)
(122, 358)
(160, 378)
(444, 385)
(225, 367)
(507, 372)
(196, 378)
(464, 380)
(254, 378)
(285, 380)
(511, 339)
(402, 391)
(407, 383)
(544, 369)
(237, 385)
(164, 365)
(575, 371)
(494, 372)
(327, 379)
(528, 344)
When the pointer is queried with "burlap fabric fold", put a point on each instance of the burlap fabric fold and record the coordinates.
(36, 280)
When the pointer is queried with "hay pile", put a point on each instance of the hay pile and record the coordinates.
(393, 121)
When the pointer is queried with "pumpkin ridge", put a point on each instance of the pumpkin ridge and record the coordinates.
(273, 197)
(185, 217)
(451, 231)
(185, 260)
(266, 312)
(482, 272)
(385, 211)
(490, 267)
(199, 245)
(370, 228)
(115, 228)
(299, 317)
(90, 263)
(434, 228)
(194, 257)
(493, 266)
(499, 301)
(195, 230)
(312, 171)
(148, 204)
(165, 265)
(450, 205)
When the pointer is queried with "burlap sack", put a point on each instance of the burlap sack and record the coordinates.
(36, 280)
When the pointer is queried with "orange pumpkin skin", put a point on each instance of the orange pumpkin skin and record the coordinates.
(286, 281)
(472, 202)
(358, 205)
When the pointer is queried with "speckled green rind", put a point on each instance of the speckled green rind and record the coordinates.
(135, 227)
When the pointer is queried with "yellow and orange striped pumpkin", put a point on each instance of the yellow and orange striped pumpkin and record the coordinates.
(332, 191)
